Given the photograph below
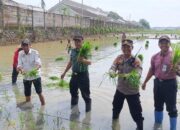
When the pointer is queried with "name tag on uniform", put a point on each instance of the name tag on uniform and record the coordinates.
(164, 68)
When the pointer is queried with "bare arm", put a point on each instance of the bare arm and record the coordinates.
(66, 70)
(148, 77)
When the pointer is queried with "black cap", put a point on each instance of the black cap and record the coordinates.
(164, 37)
(78, 36)
(128, 42)
(26, 42)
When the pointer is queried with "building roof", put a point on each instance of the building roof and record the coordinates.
(14, 3)
(78, 7)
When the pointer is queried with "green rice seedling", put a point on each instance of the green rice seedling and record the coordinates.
(133, 79)
(54, 78)
(96, 48)
(115, 44)
(146, 45)
(63, 84)
(59, 59)
(0, 76)
(32, 73)
(85, 50)
(113, 76)
(50, 85)
(140, 56)
(6, 95)
(21, 119)
(175, 54)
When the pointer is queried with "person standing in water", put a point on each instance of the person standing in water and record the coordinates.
(123, 64)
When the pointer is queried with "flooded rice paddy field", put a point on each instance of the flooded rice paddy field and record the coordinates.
(57, 114)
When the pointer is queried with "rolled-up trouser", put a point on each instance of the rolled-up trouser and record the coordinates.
(165, 91)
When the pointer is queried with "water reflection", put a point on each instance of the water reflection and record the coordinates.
(86, 121)
(75, 123)
(115, 125)
(40, 122)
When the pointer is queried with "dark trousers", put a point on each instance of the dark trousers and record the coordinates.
(165, 92)
(14, 75)
(80, 81)
(133, 103)
(28, 84)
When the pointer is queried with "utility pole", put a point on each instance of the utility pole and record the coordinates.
(1, 16)
(82, 13)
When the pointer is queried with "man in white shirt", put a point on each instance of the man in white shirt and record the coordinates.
(29, 60)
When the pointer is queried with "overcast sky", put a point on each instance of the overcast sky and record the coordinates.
(161, 13)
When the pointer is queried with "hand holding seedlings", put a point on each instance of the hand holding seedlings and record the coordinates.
(63, 75)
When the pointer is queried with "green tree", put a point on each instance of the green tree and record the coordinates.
(144, 23)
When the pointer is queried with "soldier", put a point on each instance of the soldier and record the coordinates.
(80, 75)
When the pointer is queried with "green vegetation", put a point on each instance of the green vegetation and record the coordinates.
(144, 23)
(96, 48)
(115, 44)
(32, 73)
(63, 84)
(85, 50)
(59, 59)
(0, 76)
(175, 54)
(140, 56)
(54, 78)
(59, 84)
(132, 78)
(147, 45)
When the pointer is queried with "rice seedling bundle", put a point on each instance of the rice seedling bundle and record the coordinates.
(0, 76)
(175, 54)
(32, 73)
(59, 59)
(96, 48)
(54, 78)
(146, 45)
(147, 42)
(59, 84)
(132, 78)
(63, 84)
(115, 44)
(140, 56)
(85, 50)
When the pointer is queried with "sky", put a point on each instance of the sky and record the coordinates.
(159, 13)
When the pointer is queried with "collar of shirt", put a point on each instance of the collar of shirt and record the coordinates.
(30, 51)
(166, 54)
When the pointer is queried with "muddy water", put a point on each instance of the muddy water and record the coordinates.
(57, 115)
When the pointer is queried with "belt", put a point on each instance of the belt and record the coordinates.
(79, 73)
(164, 80)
